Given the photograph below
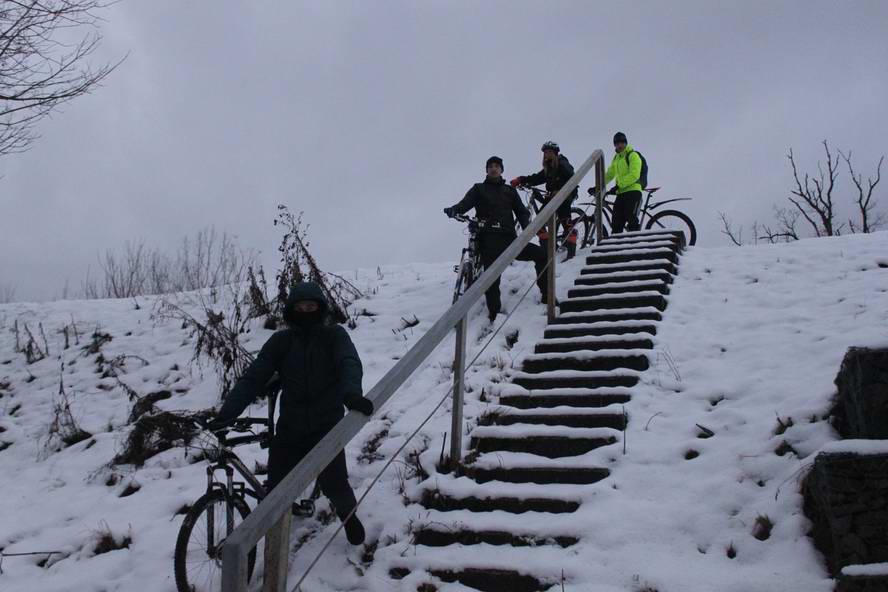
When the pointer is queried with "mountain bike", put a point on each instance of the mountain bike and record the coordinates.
(470, 267)
(578, 219)
(662, 220)
(197, 560)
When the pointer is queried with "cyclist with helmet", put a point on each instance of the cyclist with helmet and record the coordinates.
(497, 202)
(555, 174)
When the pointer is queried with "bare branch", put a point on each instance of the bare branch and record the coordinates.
(39, 70)
(869, 219)
(735, 236)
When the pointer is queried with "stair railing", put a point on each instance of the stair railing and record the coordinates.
(271, 518)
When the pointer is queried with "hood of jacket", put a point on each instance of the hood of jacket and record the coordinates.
(305, 291)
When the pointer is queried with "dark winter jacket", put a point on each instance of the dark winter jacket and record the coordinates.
(554, 178)
(496, 201)
(318, 366)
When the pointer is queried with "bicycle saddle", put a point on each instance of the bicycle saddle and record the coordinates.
(652, 189)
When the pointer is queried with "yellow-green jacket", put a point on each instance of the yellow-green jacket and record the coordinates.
(626, 169)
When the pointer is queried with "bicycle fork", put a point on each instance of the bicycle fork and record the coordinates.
(227, 489)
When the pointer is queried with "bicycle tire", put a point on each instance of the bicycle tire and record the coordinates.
(189, 543)
(685, 224)
(589, 236)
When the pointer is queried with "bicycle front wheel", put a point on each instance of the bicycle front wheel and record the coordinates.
(197, 561)
(674, 220)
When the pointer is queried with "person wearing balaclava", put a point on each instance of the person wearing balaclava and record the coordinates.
(320, 374)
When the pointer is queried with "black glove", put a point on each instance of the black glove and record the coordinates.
(361, 405)
(592, 191)
(449, 211)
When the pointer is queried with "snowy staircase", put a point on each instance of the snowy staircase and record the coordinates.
(533, 457)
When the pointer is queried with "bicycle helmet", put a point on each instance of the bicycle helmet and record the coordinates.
(550, 145)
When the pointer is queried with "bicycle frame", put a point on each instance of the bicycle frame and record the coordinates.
(643, 212)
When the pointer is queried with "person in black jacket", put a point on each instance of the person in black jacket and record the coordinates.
(556, 171)
(320, 373)
(495, 201)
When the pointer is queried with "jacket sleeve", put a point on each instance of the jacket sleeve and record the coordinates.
(634, 172)
(464, 205)
(255, 377)
(535, 179)
(566, 169)
(522, 214)
(348, 366)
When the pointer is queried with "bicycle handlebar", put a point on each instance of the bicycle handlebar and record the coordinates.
(478, 222)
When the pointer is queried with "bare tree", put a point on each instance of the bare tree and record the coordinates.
(735, 235)
(786, 229)
(7, 293)
(869, 219)
(40, 69)
(814, 198)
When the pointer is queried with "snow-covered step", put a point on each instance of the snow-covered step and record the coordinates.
(641, 235)
(635, 300)
(578, 330)
(618, 277)
(463, 493)
(636, 359)
(550, 441)
(558, 415)
(537, 474)
(560, 379)
(486, 567)
(437, 529)
(638, 254)
(618, 246)
(625, 288)
(583, 398)
(635, 265)
(611, 317)
(593, 343)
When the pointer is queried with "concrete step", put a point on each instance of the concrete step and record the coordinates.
(541, 475)
(570, 379)
(482, 579)
(664, 242)
(593, 303)
(549, 441)
(583, 398)
(591, 330)
(632, 255)
(542, 502)
(586, 361)
(644, 235)
(560, 415)
(441, 535)
(572, 344)
(622, 277)
(613, 317)
(649, 286)
(630, 266)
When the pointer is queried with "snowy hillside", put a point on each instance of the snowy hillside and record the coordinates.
(752, 338)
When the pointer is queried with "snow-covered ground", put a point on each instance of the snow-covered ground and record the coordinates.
(751, 335)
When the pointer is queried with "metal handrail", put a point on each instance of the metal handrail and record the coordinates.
(272, 510)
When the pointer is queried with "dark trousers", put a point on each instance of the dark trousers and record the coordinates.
(287, 450)
(626, 212)
(492, 246)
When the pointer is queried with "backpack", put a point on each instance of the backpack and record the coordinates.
(643, 177)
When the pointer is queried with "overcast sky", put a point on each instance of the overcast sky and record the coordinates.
(373, 116)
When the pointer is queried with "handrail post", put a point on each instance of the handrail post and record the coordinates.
(550, 270)
(459, 371)
(277, 555)
(599, 199)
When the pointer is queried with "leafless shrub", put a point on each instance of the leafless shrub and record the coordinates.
(869, 219)
(63, 430)
(298, 265)
(156, 432)
(31, 347)
(7, 293)
(814, 205)
(40, 67)
(206, 260)
(105, 541)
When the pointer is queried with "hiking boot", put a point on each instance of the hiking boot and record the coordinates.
(354, 531)
(491, 315)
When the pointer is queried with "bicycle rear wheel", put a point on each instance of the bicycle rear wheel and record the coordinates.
(674, 220)
(197, 561)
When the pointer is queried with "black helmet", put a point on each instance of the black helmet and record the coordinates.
(550, 145)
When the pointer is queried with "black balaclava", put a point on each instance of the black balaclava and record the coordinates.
(307, 319)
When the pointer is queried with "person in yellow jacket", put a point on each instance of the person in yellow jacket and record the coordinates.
(626, 169)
